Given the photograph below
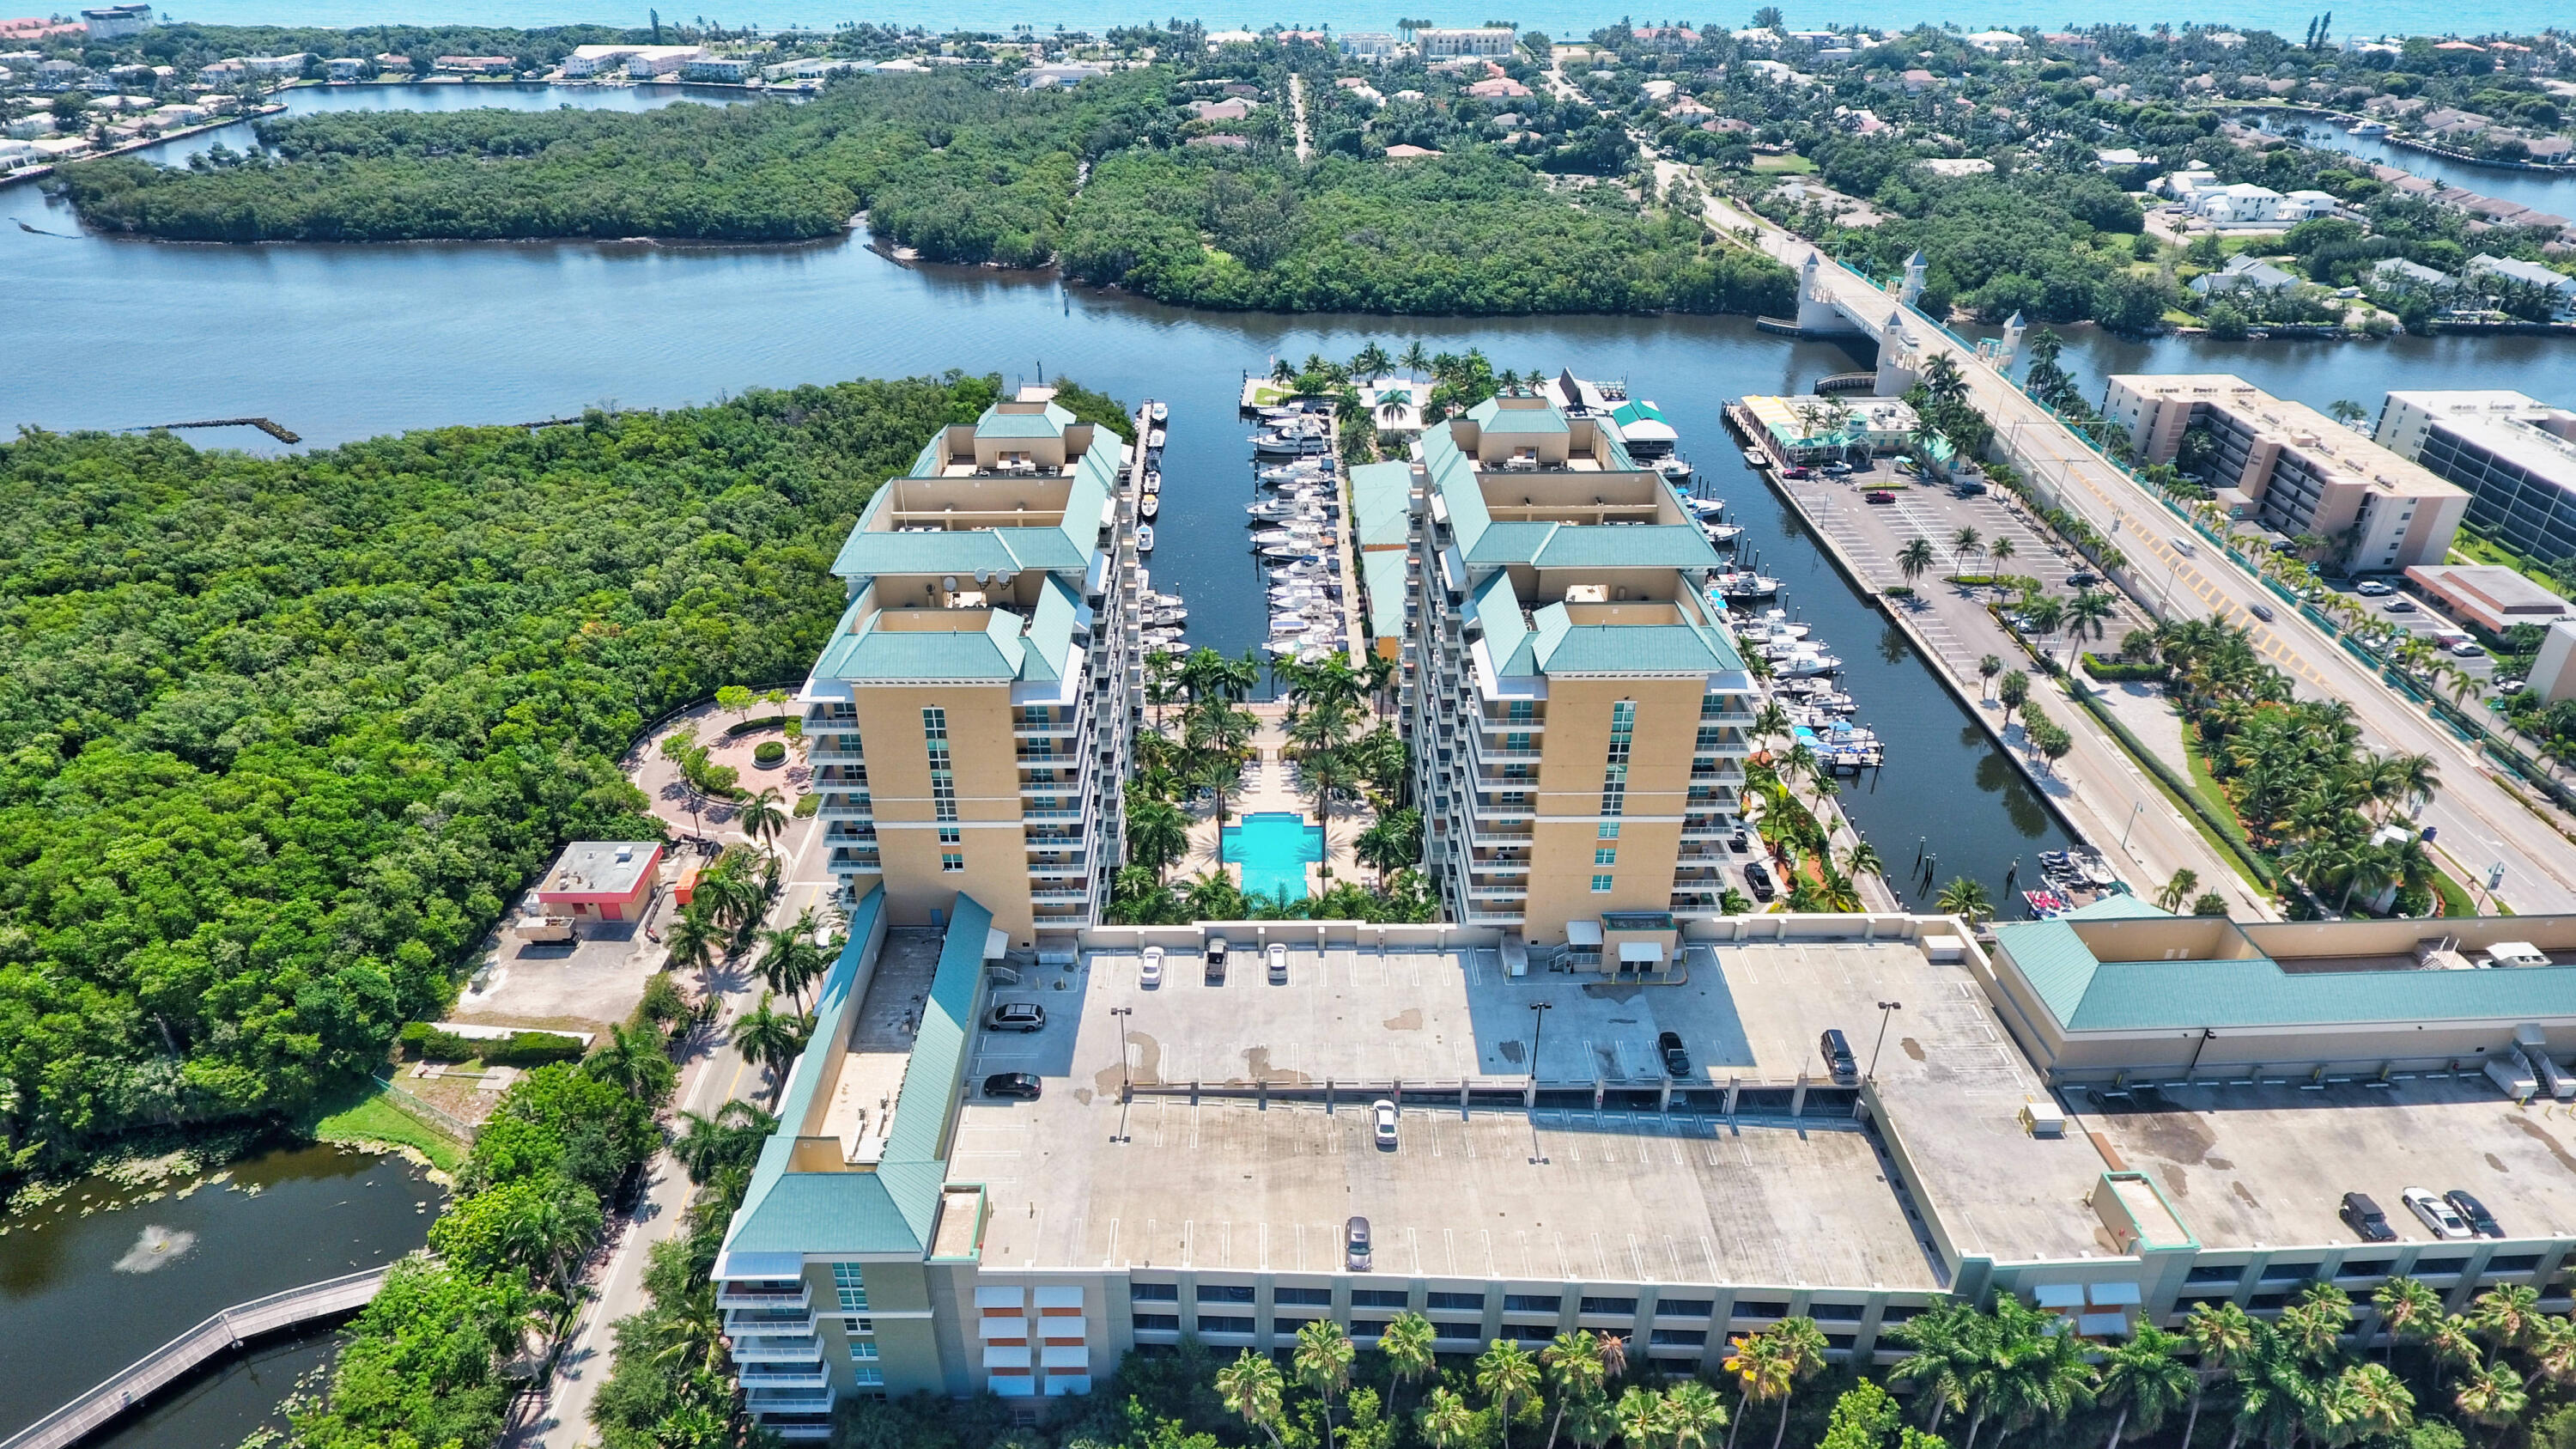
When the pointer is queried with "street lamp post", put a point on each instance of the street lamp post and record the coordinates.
(1126, 1085)
(1538, 1020)
(2134, 808)
(1886, 1009)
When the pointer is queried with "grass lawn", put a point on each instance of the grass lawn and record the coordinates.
(1791, 164)
(2455, 897)
(2485, 551)
(370, 1115)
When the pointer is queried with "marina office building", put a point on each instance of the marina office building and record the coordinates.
(1200, 1143)
(2515, 454)
(2294, 470)
(972, 715)
(1579, 710)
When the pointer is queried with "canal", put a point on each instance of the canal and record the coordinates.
(2549, 191)
(106, 1273)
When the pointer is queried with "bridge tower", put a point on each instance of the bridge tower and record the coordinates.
(2010, 345)
(1818, 314)
(1912, 286)
(1900, 362)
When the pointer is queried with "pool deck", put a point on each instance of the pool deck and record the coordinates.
(1270, 786)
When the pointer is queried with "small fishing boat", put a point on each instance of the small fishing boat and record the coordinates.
(1144, 538)
(1156, 412)
(1744, 584)
(2370, 128)
(1153, 481)
(1167, 646)
(1168, 616)
(1703, 508)
(1152, 505)
(1676, 471)
(1722, 535)
(1799, 666)
(1154, 438)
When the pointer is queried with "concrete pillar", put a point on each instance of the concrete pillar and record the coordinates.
(1600, 1091)
(1798, 1097)
(1734, 1087)
(1664, 1100)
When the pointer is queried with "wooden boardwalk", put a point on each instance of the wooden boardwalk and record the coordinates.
(182, 1356)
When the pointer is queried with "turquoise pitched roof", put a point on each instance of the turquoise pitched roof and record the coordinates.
(892, 1210)
(1634, 411)
(1386, 578)
(1493, 605)
(1048, 644)
(1381, 504)
(1048, 423)
(985, 645)
(1065, 547)
(1503, 543)
(1632, 648)
(2086, 993)
(1634, 546)
(1453, 478)
(1492, 414)
(2117, 906)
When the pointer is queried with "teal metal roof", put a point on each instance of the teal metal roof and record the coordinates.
(2085, 993)
(1632, 648)
(1635, 411)
(1492, 414)
(1632, 546)
(892, 1209)
(1453, 477)
(992, 649)
(1507, 543)
(1385, 576)
(1065, 547)
(2117, 906)
(1381, 504)
(1049, 423)
(1052, 624)
(1507, 635)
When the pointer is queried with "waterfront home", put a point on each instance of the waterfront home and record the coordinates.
(2529, 273)
(2244, 272)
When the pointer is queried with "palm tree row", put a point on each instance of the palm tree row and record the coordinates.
(2298, 1378)
(2296, 771)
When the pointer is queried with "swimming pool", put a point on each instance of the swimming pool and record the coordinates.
(1274, 849)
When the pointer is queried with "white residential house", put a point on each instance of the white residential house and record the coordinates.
(2399, 274)
(346, 67)
(1998, 42)
(2532, 272)
(2242, 273)
(650, 61)
(1374, 46)
(1493, 41)
(724, 69)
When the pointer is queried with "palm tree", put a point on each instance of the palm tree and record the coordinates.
(1507, 1377)
(1913, 559)
(1692, 1412)
(1573, 1364)
(1406, 1339)
(2045, 613)
(2493, 1395)
(1158, 834)
(1945, 1360)
(1446, 1420)
(732, 1138)
(2223, 1336)
(1639, 1417)
(768, 1038)
(1392, 402)
(1219, 775)
(2086, 614)
(1370, 361)
(2001, 551)
(1862, 859)
(2145, 1379)
(2508, 1315)
(633, 1061)
(789, 959)
(694, 938)
(1251, 1387)
(1987, 668)
(762, 818)
(1966, 899)
(1801, 1346)
(1323, 1363)
(1392, 842)
(1762, 1373)
(1963, 543)
(2368, 1401)
(1283, 371)
(2406, 1307)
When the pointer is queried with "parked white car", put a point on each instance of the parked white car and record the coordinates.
(2440, 1216)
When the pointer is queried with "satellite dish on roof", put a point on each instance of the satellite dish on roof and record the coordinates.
(1004, 579)
(983, 575)
(949, 583)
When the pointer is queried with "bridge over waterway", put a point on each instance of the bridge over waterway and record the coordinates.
(182, 1356)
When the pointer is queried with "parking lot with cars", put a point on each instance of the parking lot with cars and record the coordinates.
(2393, 603)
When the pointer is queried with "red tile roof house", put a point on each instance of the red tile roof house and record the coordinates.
(602, 880)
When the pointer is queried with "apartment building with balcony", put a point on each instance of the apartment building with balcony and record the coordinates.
(2293, 470)
(972, 714)
(2515, 454)
(1578, 709)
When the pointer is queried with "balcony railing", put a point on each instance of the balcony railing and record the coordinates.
(730, 1296)
(785, 1376)
(756, 1349)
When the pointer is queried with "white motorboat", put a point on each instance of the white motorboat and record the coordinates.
(1153, 481)
(1676, 471)
(1154, 438)
(1154, 600)
(1167, 646)
(1786, 648)
(1744, 584)
(1300, 443)
(1156, 412)
(1144, 538)
(1771, 626)
(1703, 508)
(1722, 535)
(1168, 616)
(1291, 551)
(1151, 505)
(1800, 666)
(2370, 128)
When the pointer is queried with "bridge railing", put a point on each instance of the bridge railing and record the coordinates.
(140, 1379)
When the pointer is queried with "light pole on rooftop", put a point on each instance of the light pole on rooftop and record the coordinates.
(1886, 1009)
(1538, 1020)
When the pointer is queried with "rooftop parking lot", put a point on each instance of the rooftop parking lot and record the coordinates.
(2267, 1166)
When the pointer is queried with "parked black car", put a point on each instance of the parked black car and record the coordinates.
(1023, 1085)
(1676, 1061)
(2474, 1212)
(1758, 881)
(1838, 1055)
(2363, 1216)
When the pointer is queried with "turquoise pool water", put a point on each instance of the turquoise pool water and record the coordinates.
(1273, 850)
